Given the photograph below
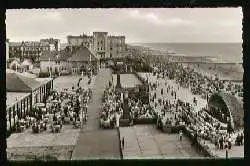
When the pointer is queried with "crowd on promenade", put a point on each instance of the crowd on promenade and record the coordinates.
(112, 107)
(65, 107)
(198, 83)
(139, 110)
(176, 112)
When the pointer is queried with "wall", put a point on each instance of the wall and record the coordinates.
(45, 64)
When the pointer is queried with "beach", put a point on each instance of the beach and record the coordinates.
(221, 59)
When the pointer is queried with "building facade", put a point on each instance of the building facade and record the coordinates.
(100, 43)
(53, 43)
(29, 49)
(53, 62)
(74, 62)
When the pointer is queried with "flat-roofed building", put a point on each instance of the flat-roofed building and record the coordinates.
(22, 93)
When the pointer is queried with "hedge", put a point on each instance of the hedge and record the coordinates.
(44, 74)
(145, 121)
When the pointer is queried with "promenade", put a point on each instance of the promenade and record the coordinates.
(94, 142)
(185, 95)
(146, 142)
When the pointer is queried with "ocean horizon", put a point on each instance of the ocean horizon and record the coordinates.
(214, 52)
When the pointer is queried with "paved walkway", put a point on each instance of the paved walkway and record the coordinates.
(186, 95)
(127, 80)
(94, 142)
(68, 81)
(145, 141)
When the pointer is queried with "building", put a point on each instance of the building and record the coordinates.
(54, 62)
(53, 43)
(63, 46)
(29, 49)
(226, 105)
(14, 64)
(27, 65)
(22, 93)
(101, 44)
(82, 60)
(66, 61)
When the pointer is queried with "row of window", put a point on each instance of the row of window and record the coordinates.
(61, 68)
(11, 48)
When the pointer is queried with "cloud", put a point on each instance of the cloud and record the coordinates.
(179, 21)
(142, 25)
(153, 18)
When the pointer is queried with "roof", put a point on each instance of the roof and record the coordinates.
(26, 62)
(234, 106)
(14, 97)
(54, 55)
(16, 82)
(48, 55)
(29, 75)
(43, 80)
(82, 54)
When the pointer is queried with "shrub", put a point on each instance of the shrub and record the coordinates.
(44, 74)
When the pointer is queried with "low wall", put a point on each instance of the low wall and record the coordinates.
(140, 78)
(120, 144)
(40, 153)
(124, 122)
(144, 121)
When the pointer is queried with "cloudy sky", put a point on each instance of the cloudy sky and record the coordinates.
(138, 25)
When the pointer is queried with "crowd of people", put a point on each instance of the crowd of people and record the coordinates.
(112, 107)
(59, 108)
(139, 110)
(198, 83)
(175, 112)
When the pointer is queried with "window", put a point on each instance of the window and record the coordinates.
(111, 55)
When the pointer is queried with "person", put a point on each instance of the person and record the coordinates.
(195, 138)
(122, 142)
(229, 143)
(180, 135)
(241, 139)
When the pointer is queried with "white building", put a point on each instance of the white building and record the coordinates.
(101, 44)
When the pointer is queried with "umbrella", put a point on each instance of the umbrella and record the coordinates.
(40, 104)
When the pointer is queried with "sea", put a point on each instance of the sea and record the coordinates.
(215, 52)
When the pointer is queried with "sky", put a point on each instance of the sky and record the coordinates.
(142, 25)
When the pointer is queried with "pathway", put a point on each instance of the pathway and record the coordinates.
(145, 141)
(94, 142)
